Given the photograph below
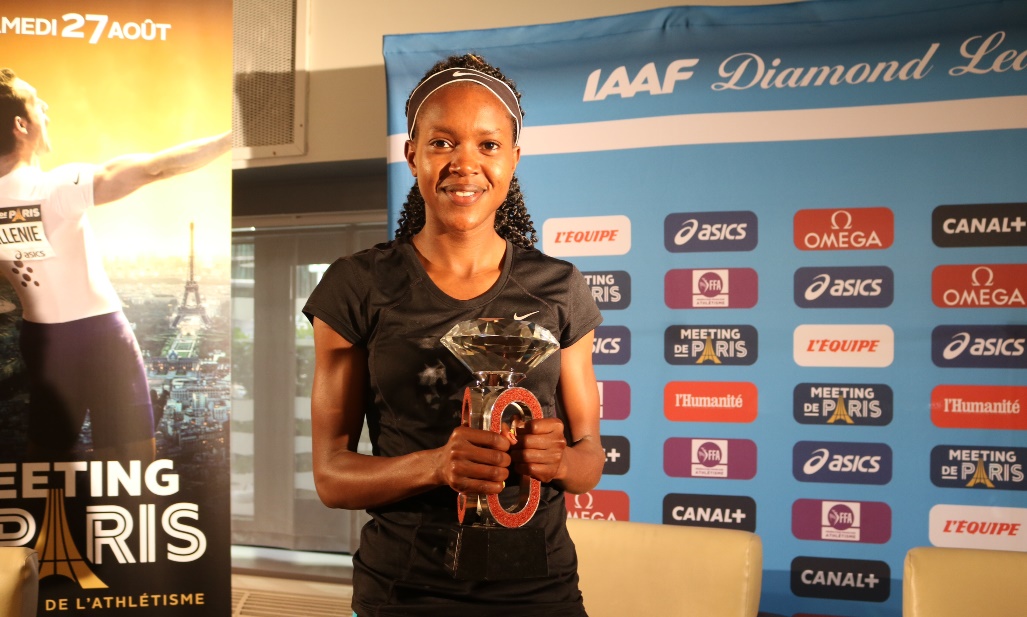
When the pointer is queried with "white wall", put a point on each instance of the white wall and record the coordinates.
(346, 87)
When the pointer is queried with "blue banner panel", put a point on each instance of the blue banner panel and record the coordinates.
(780, 185)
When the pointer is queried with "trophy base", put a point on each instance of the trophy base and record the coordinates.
(498, 553)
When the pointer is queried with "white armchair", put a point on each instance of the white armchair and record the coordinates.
(647, 569)
(959, 582)
(19, 581)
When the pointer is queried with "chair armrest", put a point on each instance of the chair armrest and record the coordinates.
(19, 581)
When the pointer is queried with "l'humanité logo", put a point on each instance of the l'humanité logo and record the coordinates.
(971, 406)
(109, 531)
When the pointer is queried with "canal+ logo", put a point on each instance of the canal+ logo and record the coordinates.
(717, 511)
(980, 225)
(697, 232)
(860, 580)
(618, 454)
(859, 229)
(841, 462)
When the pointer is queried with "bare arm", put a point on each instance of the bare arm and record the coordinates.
(471, 461)
(545, 455)
(123, 175)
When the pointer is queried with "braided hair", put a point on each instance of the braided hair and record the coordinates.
(513, 222)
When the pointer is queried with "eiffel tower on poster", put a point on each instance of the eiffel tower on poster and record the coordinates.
(707, 353)
(980, 477)
(58, 555)
(841, 413)
(192, 289)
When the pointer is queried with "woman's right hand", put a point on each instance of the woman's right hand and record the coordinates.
(474, 461)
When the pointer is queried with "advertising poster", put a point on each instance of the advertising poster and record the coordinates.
(114, 313)
(806, 227)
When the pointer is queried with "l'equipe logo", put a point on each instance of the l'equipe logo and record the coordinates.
(983, 527)
(851, 345)
(587, 235)
(842, 462)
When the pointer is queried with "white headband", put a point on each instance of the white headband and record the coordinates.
(498, 87)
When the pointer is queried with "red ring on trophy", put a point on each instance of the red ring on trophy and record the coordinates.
(524, 398)
(465, 420)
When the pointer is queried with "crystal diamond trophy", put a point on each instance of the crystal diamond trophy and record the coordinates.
(499, 353)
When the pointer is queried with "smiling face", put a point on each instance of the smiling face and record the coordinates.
(463, 156)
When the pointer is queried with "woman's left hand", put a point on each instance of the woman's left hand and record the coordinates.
(539, 450)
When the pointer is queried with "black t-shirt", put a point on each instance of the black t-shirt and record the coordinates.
(383, 300)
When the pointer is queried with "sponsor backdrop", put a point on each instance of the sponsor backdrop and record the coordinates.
(806, 226)
(118, 537)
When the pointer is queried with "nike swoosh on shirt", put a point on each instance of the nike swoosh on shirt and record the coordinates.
(520, 317)
(77, 176)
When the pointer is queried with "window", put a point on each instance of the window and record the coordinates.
(273, 499)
